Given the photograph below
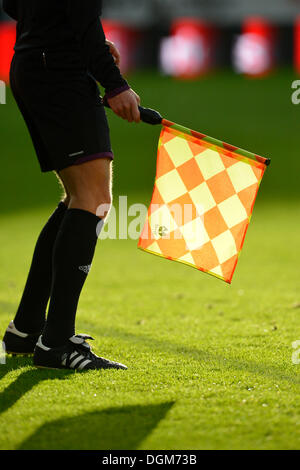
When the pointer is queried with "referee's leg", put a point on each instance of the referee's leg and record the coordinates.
(88, 186)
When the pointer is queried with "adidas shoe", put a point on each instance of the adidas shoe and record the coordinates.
(18, 343)
(76, 354)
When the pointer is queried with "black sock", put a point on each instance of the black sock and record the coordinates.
(30, 316)
(72, 258)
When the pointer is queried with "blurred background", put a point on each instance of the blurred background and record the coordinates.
(225, 68)
(195, 36)
(222, 67)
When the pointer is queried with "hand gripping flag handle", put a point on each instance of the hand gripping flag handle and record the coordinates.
(150, 116)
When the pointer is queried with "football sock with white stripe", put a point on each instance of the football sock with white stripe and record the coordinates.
(30, 316)
(72, 258)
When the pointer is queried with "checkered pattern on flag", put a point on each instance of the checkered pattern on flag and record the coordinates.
(202, 201)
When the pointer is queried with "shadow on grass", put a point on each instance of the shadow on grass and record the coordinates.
(13, 364)
(110, 429)
(25, 381)
(213, 360)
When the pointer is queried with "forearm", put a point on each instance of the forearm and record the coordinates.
(86, 24)
(102, 63)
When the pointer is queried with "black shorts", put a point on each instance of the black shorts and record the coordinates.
(62, 107)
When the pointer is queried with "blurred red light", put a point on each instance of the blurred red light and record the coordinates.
(254, 50)
(187, 52)
(7, 42)
(297, 45)
(126, 40)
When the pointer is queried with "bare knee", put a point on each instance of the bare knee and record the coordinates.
(89, 186)
(103, 204)
(97, 201)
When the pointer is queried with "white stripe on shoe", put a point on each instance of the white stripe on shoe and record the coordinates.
(76, 360)
(75, 353)
(83, 364)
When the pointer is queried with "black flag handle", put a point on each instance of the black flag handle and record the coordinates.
(149, 116)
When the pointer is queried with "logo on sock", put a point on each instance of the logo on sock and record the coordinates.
(86, 269)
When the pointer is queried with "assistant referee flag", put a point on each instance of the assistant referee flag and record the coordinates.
(202, 201)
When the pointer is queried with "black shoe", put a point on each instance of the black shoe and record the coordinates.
(76, 354)
(18, 343)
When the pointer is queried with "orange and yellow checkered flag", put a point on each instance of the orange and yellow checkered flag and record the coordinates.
(202, 201)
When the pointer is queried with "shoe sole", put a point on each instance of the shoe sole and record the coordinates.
(59, 368)
(73, 370)
(50, 368)
(19, 353)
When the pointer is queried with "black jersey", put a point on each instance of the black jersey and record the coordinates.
(72, 26)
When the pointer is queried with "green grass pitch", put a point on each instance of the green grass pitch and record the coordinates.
(209, 365)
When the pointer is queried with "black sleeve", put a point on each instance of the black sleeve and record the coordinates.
(84, 18)
(11, 8)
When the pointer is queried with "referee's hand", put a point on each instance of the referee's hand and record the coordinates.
(125, 105)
